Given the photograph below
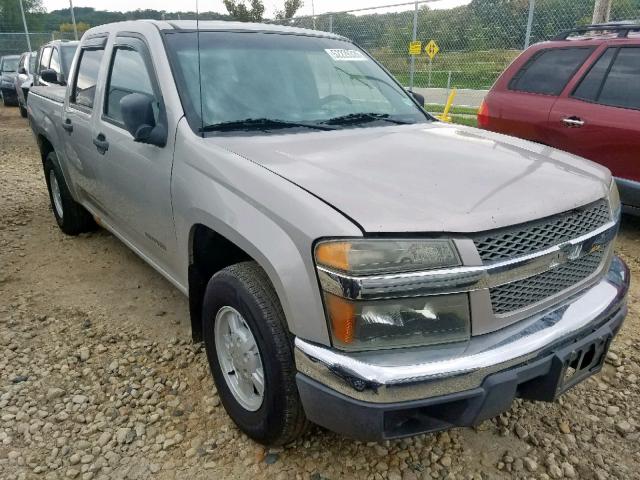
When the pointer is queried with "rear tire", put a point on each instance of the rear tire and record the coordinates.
(72, 218)
(245, 290)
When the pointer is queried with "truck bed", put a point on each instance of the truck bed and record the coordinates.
(54, 92)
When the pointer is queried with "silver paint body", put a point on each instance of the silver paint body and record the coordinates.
(275, 195)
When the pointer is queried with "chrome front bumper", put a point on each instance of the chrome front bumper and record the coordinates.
(412, 374)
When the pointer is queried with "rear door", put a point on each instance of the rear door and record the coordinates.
(599, 118)
(520, 106)
(137, 176)
(77, 121)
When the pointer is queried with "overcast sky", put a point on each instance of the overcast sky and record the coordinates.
(321, 6)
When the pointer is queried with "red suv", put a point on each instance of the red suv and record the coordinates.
(579, 93)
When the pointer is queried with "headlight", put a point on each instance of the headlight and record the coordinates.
(381, 256)
(614, 200)
(398, 322)
(406, 322)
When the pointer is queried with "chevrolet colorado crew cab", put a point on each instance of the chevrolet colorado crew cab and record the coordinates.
(349, 260)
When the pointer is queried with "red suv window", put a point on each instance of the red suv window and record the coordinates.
(548, 71)
(613, 80)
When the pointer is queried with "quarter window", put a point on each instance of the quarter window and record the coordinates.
(549, 71)
(129, 74)
(622, 86)
(85, 83)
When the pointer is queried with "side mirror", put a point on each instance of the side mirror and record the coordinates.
(48, 75)
(22, 71)
(137, 114)
(419, 98)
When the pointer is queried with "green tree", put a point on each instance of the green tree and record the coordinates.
(10, 16)
(290, 9)
(239, 10)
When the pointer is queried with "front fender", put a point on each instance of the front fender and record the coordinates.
(271, 219)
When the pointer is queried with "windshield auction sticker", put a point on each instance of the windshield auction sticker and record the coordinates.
(343, 55)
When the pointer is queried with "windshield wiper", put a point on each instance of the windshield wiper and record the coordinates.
(357, 118)
(253, 124)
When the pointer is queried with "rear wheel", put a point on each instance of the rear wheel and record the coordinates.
(72, 218)
(251, 356)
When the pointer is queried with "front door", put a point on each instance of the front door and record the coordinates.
(137, 176)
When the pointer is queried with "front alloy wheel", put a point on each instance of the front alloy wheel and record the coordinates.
(239, 358)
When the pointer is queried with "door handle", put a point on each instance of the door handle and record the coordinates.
(573, 122)
(101, 143)
(67, 125)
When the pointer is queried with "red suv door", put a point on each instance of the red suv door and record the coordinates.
(521, 101)
(598, 115)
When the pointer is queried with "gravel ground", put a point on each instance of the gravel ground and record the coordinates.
(99, 378)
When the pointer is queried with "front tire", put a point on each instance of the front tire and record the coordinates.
(72, 218)
(252, 362)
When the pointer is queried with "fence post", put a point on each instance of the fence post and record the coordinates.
(330, 23)
(527, 38)
(412, 70)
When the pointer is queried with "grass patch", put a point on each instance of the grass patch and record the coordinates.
(437, 108)
(469, 69)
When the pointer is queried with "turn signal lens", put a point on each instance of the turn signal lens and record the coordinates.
(334, 255)
(341, 312)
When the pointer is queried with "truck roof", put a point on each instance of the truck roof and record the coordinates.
(214, 25)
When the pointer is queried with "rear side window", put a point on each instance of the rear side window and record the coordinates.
(589, 87)
(548, 71)
(129, 74)
(622, 86)
(85, 83)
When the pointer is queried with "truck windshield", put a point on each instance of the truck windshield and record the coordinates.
(10, 64)
(264, 81)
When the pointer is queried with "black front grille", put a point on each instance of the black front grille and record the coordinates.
(532, 237)
(520, 294)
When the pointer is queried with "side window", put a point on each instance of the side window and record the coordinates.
(85, 83)
(129, 74)
(44, 58)
(549, 71)
(589, 87)
(622, 86)
(55, 60)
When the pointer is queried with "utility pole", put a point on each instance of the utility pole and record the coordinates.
(313, 14)
(24, 22)
(73, 20)
(601, 11)
(532, 9)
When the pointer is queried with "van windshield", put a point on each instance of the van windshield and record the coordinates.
(263, 81)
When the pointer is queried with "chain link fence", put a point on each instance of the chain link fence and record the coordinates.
(476, 41)
(15, 43)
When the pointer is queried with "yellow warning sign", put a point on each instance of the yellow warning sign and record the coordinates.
(432, 49)
(415, 48)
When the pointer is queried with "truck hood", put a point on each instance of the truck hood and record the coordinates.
(430, 177)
